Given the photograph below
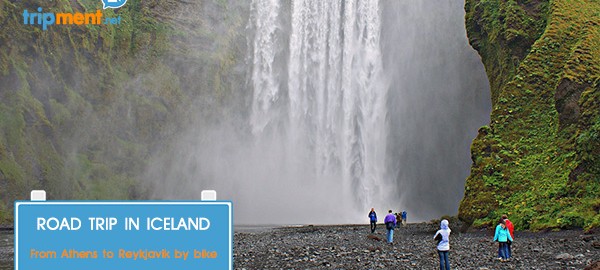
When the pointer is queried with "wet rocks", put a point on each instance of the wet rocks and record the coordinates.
(593, 266)
(352, 247)
(565, 256)
(373, 237)
(6, 249)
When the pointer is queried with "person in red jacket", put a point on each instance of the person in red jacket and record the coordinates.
(511, 230)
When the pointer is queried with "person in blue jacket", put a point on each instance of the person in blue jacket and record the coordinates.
(502, 236)
(373, 219)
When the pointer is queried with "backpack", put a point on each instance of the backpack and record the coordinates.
(438, 238)
(389, 225)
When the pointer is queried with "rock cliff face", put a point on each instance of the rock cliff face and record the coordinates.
(539, 159)
(82, 107)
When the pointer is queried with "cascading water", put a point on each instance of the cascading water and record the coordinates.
(329, 98)
(347, 105)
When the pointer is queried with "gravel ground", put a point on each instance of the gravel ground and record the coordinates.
(6, 249)
(349, 247)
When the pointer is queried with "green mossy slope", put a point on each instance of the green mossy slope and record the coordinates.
(61, 90)
(83, 107)
(538, 160)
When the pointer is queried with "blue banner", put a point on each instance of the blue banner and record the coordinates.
(123, 235)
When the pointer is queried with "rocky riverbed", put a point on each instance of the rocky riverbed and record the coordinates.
(350, 247)
(354, 247)
(6, 249)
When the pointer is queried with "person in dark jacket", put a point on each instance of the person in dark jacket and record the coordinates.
(398, 219)
(373, 219)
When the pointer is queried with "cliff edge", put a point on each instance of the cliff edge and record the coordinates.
(539, 158)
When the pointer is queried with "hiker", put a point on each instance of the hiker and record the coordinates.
(390, 223)
(502, 236)
(373, 219)
(398, 217)
(511, 230)
(443, 246)
(404, 217)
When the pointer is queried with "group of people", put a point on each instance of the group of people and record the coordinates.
(390, 221)
(504, 235)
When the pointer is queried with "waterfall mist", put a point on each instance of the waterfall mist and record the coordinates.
(439, 97)
(347, 106)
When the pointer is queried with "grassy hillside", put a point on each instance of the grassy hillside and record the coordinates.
(83, 107)
(539, 159)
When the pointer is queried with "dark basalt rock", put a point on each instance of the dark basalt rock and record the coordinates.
(352, 247)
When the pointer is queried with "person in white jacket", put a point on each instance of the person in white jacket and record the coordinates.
(443, 247)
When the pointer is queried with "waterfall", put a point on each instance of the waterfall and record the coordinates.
(340, 106)
(325, 92)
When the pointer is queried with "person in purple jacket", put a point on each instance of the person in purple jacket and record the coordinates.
(390, 224)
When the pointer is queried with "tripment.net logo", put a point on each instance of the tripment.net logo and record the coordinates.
(46, 19)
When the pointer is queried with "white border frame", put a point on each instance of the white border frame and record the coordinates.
(227, 203)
